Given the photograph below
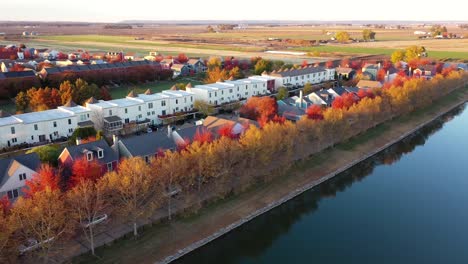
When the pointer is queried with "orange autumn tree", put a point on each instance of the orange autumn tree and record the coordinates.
(260, 108)
(45, 178)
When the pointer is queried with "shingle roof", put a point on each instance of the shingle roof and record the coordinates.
(28, 160)
(148, 144)
(76, 152)
(20, 74)
(368, 84)
(297, 72)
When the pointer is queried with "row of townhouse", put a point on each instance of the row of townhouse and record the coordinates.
(139, 109)
(44, 126)
(115, 116)
(223, 92)
(299, 77)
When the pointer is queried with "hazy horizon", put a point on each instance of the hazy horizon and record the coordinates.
(107, 11)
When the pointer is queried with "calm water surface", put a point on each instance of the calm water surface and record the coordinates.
(408, 204)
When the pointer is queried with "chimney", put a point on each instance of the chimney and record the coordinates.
(169, 131)
(115, 139)
(300, 98)
(78, 141)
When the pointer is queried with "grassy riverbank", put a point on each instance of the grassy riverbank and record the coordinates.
(162, 240)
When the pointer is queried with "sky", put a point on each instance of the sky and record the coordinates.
(237, 10)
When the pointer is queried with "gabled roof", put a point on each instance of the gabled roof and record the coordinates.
(92, 100)
(30, 161)
(342, 70)
(132, 94)
(148, 144)
(70, 103)
(148, 92)
(194, 61)
(77, 152)
(369, 84)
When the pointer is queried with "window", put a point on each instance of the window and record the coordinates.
(126, 110)
(150, 105)
(88, 115)
(147, 159)
(191, 98)
(148, 113)
(127, 120)
(70, 130)
(216, 94)
(177, 108)
(163, 103)
(237, 88)
(139, 116)
(89, 156)
(13, 130)
(55, 123)
(13, 194)
(176, 101)
(69, 121)
(163, 112)
(22, 176)
(153, 113)
(209, 95)
(14, 140)
(35, 127)
(32, 137)
(109, 167)
(100, 154)
(139, 108)
(56, 133)
(185, 100)
(110, 112)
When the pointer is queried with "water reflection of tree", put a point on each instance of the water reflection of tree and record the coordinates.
(251, 240)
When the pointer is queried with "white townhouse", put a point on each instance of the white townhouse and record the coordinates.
(140, 109)
(43, 126)
(228, 91)
(298, 77)
(15, 171)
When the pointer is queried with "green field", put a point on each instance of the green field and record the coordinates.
(386, 51)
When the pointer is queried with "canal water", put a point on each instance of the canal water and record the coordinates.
(408, 204)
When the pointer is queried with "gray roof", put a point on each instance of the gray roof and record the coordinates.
(339, 90)
(28, 160)
(88, 123)
(189, 132)
(76, 152)
(290, 112)
(111, 119)
(297, 72)
(20, 74)
(148, 144)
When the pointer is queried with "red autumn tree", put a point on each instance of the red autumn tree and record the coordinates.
(260, 108)
(227, 130)
(381, 75)
(365, 93)
(304, 63)
(182, 58)
(279, 119)
(17, 68)
(314, 112)
(203, 136)
(46, 177)
(84, 170)
(329, 64)
(344, 101)
(344, 63)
